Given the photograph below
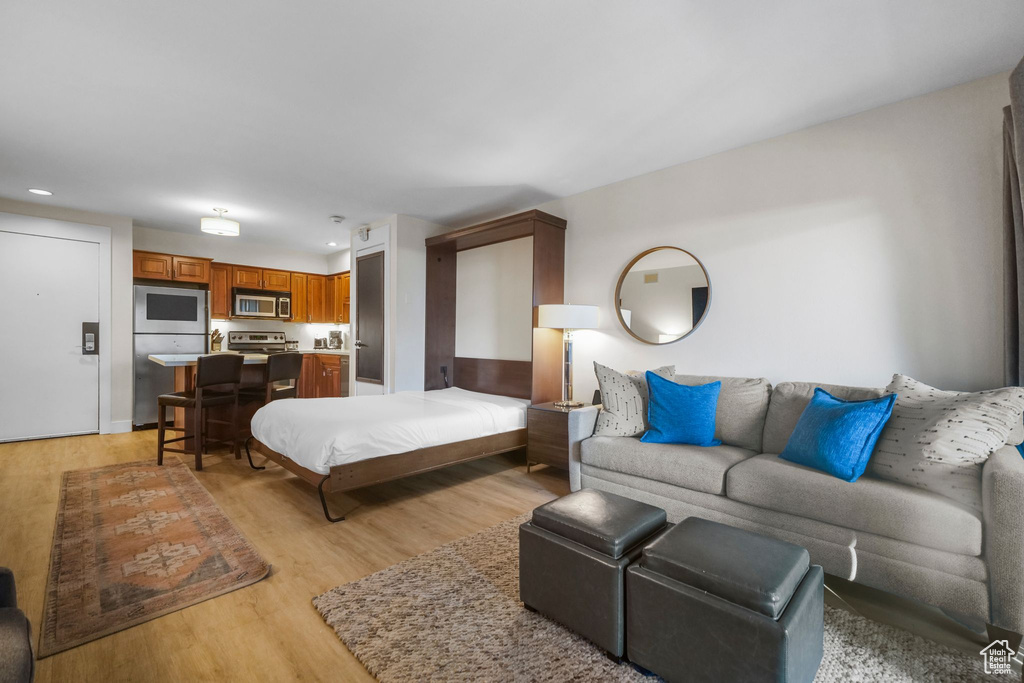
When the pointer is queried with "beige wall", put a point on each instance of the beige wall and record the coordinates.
(841, 253)
(121, 376)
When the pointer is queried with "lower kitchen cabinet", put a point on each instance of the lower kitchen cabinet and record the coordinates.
(324, 375)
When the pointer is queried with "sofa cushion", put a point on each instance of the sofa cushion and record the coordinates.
(873, 505)
(692, 467)
(681, 414)
(742, 405)
(939, 440)
(787, 405)
(838, 436)
(624, 400)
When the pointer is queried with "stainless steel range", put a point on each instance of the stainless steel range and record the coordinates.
(257, 342)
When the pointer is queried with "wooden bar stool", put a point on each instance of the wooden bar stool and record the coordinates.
(281, 367)
(217, 380)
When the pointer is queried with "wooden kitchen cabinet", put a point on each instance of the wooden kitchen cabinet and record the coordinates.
(220, 291)
(316, 301)
(277, 280)
(333, 379)
(246, 276)
(310, 375)
(153, 266)
(300, 287)
(251, 277)
(191, 269)
(331, 297)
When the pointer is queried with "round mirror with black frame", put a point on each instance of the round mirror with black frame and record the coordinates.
(663, 295)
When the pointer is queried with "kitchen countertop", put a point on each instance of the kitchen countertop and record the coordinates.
(174, 360)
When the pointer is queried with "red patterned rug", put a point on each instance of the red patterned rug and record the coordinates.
(134, 542)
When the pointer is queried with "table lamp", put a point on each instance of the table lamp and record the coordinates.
(567, 317)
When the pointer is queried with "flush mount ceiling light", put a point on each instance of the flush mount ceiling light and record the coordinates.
(332, 244)
(35, 190)
(218, 225)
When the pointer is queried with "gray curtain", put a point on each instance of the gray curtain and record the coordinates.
(1013, 227)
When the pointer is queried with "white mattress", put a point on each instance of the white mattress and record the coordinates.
(320, 433)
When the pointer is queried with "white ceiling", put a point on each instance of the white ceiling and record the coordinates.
(286, 113)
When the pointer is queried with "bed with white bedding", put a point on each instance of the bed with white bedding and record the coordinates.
(319, 434)
(340, 444)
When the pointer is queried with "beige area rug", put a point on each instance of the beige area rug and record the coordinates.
(454, 614)
(134, 542)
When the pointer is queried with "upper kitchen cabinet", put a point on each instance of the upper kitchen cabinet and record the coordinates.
(189, 269)
(220, 291)
(338, 297)
(246, 277)
(277, 280)
(153, 266)
(316, 301)
(249, 277)
(300, 294)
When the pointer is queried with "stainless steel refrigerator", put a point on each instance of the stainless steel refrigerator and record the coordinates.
(167, 320)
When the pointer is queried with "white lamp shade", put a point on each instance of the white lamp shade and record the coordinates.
(216, 225)
(567, 316)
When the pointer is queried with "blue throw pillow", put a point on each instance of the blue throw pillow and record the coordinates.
(678, 413)
(838, 436)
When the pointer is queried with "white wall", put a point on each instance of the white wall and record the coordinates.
(408, 297)
(229, 250)
(842, 253)
(120, 293)
(494, 301)
(339, 261)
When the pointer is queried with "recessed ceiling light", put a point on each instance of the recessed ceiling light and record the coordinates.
(332, 244)
(34, 190)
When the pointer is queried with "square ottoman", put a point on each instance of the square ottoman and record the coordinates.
(572, 560)
(710, 602)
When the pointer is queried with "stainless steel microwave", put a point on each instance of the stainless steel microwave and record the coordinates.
(261, 304)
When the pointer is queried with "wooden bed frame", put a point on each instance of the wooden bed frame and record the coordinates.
(356, 475)
(539, 380)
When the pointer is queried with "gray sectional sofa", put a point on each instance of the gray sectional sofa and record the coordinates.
(879, 533)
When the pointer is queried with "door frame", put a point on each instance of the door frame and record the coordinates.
(80, 232)
(378, 238)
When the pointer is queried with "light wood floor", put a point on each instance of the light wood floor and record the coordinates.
(270, 631)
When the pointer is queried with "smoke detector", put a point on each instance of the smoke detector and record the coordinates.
(337, 219)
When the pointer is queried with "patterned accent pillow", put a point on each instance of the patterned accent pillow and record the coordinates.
(624, 401)
(939, 440)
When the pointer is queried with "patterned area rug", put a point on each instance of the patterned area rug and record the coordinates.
(134, 542)
(454, 614)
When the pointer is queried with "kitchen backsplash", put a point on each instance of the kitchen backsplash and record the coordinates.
(302, 332)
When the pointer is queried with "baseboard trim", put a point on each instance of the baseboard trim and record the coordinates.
(119, 427)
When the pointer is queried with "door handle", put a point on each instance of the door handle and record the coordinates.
(358, 344)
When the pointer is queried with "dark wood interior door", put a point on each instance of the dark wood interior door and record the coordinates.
(369, 344)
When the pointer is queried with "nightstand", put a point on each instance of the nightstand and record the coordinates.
(547, 435)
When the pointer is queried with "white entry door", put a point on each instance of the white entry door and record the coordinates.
(51, 382)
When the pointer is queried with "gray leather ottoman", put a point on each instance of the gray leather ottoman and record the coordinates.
(572, 561)
(709, 602)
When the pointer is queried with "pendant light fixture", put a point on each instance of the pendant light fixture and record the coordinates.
(218, 225)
